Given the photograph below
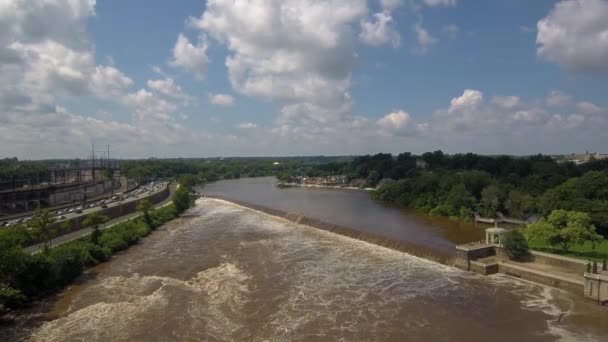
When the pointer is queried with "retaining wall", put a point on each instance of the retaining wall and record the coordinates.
(117, 210)
(544, 278)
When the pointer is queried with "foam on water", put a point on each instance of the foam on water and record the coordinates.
(271, 279)
(129, 302)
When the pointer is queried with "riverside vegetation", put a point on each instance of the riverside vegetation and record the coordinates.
(26, 277)
(458, 186)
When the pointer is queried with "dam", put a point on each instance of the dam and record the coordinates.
(224, 272)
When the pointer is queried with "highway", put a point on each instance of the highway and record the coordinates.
(85, 231)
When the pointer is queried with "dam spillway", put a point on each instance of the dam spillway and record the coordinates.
(226, 273)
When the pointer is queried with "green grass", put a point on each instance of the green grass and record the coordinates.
(580, 251)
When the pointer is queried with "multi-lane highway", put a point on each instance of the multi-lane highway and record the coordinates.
(85, 231)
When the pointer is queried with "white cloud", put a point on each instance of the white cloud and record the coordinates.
(507, 116)
(298, 53)
(109, 82)
(378, 31)
(223, 100)
(588, 107)
(397, 124)
(558, 98)
(424, 38)
(45, 55)
(391, 5)
(563, 123)
(575, 35)
(247, 125)
(451, 31)
(470, 99)
(435, 3)
(191, 57)
(527, 29)
(506, 102)
(395, 120)
(531, 115)
(148, 106)
(47, 60)
(167, 87)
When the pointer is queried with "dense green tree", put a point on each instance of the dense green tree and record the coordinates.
(94, 220)
(144, 206)
(519, 204)
(181, 199)
(515, 244)
(459, 197)
(564, 229)
(43, 226)
(373, 178)
(491, 200)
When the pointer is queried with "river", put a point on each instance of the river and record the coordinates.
(224, 272)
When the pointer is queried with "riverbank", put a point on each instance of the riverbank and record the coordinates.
(422, 251)
(323, 186)
(231, 273)
(547, 276)
(37, 275)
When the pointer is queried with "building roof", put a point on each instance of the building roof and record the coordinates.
(496, 230)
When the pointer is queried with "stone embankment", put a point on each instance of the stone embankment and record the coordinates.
(564, 273)
(116, 210)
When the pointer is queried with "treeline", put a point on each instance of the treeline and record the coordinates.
(463, 184)
(11, 169)
(25, 277)
(210, 170)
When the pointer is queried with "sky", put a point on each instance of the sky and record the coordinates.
(195, 78)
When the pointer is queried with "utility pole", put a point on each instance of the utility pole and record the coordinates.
(93, 157)
(111, 171)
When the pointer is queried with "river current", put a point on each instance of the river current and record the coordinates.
(223, 272)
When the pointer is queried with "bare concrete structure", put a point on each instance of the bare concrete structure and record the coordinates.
(596, 286)
(494, 235)
(488, 257)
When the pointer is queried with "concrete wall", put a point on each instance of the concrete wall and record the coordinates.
(553, 280)
(465, 256)
(565, 263)
(481, 268)
(119, 210)
(596, 287)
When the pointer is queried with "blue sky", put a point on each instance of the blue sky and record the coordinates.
(294, 77)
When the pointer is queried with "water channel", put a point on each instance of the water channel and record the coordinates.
(224, 272)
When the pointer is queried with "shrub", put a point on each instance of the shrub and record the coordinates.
(9, 297)
(36, 276)
(113, 241)
(99, 253)
(595, 267)
(515, 244)
(25, 276)
(67, 263)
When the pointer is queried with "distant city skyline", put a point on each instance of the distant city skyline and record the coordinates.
(287, 78)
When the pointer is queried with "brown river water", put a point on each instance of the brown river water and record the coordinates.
(224, 272)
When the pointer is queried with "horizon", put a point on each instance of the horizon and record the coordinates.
(296, 78)
(312, 156)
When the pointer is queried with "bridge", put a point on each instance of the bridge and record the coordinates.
(500, 218)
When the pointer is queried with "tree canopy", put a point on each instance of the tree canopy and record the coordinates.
(564, 228)
(94, 220)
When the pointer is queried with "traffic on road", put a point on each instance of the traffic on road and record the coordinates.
(85, 209)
